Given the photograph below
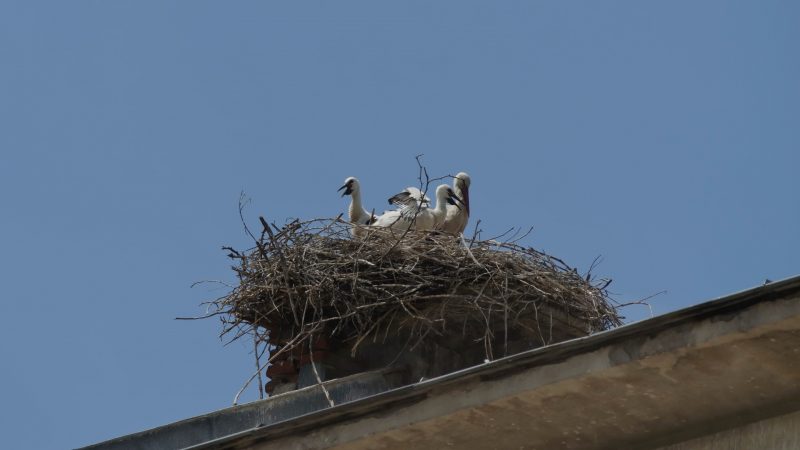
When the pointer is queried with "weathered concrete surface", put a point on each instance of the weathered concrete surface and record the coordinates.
(775, 433)
(687, 377)
(228, 421)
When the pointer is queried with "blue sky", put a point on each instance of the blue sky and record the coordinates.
(664, 136)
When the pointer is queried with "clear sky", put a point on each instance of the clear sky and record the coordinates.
(664, 136)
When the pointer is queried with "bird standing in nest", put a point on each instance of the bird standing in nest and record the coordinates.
(413, 212)
(357, 214)
(456, 219)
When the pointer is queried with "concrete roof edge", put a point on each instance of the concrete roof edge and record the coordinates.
(520, 361)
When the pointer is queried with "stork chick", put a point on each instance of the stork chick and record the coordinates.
(414, 213)
(456, 219)
(357, 214)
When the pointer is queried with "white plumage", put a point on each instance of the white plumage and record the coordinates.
(357, 214)
(410, 197)
(456, 219)
(414, 211)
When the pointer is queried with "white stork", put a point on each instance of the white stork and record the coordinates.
(413, 210)
(456, 219)
(357, 214)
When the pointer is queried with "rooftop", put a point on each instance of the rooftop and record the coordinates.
(729, 361)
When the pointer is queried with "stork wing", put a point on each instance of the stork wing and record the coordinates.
(409, 202)
(419, 196)
(410, 195)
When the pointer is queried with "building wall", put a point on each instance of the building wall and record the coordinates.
(777, 433)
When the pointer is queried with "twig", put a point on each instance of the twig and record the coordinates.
(243, 201)
(316, 374)
(258, 365)
(272, 357)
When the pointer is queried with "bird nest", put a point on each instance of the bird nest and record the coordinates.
(310, 279)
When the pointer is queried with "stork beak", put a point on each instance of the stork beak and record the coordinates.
(452, 197)
(465, 201)
(346, 192)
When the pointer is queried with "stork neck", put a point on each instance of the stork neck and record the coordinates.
(441, 204)
(356, 198)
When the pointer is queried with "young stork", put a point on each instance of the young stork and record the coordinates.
(456, 219)
(410, 196)
(413, 210)
(358, 215)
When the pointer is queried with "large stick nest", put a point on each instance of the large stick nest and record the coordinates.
(312, 278)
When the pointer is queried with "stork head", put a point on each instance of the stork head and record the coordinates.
(350, 185)
(446, 195)
(462, 181)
